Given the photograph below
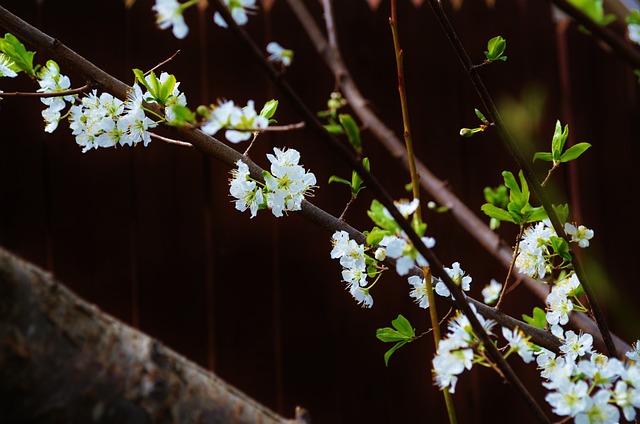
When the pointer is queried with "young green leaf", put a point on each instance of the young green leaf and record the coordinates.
(558, 140)
(495, 49)
(497, 213)
(538, 320)
(352, 131)
(574, 152)
(401, 334)
(377, 214)
(15, 50)
(269, 109)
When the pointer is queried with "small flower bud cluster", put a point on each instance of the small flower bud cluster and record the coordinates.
(284, 189)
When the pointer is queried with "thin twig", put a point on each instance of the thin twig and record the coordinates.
(170, 140)
(163, 62)
(63, 93)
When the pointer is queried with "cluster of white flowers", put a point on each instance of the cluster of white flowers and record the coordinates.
(50, 81)
(419, 291)
(238, 122)
(106, 121)
(456, 351)
(535, 254)
(5, 67)
(353, 261)
(284, 189)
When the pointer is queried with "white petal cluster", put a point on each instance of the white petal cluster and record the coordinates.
(634, 33)
(106, 121)
(284, 189)
(458, 276)
(239, 10)
(579, 234)
(279, 54)
(238, 122)
(50, 81)
(533, 256)
(353, 261)
(455, 352)
(169, 14)
(5, 67)
(491, 292)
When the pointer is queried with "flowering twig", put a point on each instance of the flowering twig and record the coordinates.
(468, 220)
(513, 148)
(384, 198)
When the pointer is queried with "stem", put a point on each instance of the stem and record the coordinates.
(513, 261)
(415, 178)
(435, 324)
(63, 93)
(415, 186)
(513, 148)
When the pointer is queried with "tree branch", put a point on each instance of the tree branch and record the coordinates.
(63, 360)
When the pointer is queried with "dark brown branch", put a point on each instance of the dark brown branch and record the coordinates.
(63, 360)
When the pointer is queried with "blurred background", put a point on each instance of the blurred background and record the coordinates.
(150, 235)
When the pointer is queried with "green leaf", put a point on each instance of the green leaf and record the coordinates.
(561, 247)
(336, 179)
(334, 129)
(390, 352)
(375, 236)
(141, 79)
(269, 109)
(15, 50)
(165, 90)
(497, 213)
(182, 115)
(558, 140)
(403, 326)
(352, 130)
(535, 215)
(538, 320)
(594, 9)
(495, 48)
(574, 152)
(546, 156)
(377, 214)
(388, 334)
(481, 116)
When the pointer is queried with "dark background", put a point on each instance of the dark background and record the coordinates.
(150, 235)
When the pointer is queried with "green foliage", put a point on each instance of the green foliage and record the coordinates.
(594, 10)
(469, 132)
(269, 109)
(352, 131)
(401, 334)
(495, 49)
(356, 183)
(499, 198)
(159, 92)
(377, 214)
(538, 320)
(182, 115)
(518, 209)
(633, 18)
(18, 54)
(557, 155)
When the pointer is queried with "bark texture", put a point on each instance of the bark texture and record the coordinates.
(62, 360)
